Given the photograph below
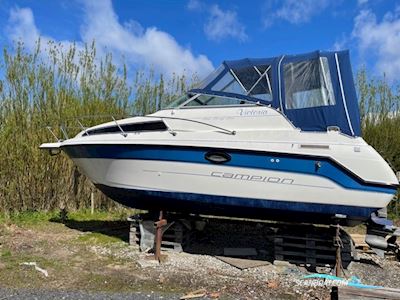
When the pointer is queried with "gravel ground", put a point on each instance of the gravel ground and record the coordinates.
(88, 265)
(31, 294)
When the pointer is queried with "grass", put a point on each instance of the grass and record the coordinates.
(69, 261)
(31, 218)
(92, 256)
(394, 216)
(5, 254)
(26, 218)
(98, 238)
(100, 215)
(28, 237)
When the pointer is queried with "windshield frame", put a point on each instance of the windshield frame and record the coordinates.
(248, 102)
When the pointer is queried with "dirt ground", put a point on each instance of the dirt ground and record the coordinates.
(94, 255)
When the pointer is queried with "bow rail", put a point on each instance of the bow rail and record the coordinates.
(79, 121)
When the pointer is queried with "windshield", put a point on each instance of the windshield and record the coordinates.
(178, 102)
(207, 100)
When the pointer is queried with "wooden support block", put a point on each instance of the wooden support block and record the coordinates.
(235, 252)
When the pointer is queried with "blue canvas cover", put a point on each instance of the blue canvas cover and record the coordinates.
(314, 90)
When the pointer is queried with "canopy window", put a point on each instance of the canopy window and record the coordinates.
(211, 77)
(253, 81)
(256, 81)
(308, 84)
(229, 84)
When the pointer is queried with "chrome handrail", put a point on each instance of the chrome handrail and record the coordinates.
(125, 134)
(232, 132)
(64, 132)
(120, 128)
(82, 127)
(52, 133)
(63, 128)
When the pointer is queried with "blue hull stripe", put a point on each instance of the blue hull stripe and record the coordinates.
(224, 205)
(239, 158)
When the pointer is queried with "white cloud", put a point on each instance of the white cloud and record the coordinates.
(138, 45)
(362, 2)
(21, 27)
(294, 11)
(224, 24)
(194, 5)
(379, 40)
(341, 43)
(151, 46)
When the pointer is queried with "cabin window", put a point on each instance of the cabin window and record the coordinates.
(308, 84)
(135, 127)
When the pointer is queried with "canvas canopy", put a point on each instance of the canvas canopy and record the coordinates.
(314, 90)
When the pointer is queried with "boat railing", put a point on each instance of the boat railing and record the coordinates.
(232, 132)
(64, 128)
(77, 123)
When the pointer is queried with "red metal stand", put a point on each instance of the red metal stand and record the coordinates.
(158, 238)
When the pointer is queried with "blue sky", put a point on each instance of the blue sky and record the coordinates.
(195, 36)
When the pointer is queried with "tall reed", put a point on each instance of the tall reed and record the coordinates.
(380, 120)
(50, 86)
(380, 116)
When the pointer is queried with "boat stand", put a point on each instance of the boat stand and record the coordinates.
(160, 224)
(307, 245)
(339, 245)
(157, 236)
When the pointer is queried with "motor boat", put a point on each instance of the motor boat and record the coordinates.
(272, 138)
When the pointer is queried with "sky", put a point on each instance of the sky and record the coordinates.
(196, 36)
